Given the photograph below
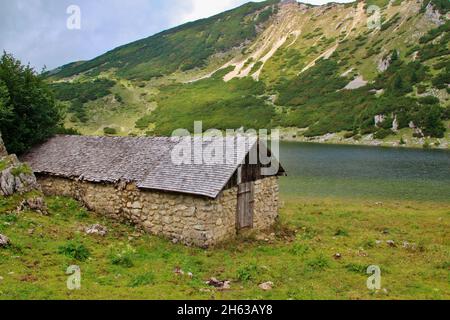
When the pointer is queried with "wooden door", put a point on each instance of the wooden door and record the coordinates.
(245, 205)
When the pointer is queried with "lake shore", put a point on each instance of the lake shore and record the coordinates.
(403, 139)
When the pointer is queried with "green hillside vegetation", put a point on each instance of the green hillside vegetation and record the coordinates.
(154, 85)
(181, 48)
(79, 93)
(220, 105)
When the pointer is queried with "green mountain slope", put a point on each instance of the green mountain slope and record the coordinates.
(182, 48)
(323, 69)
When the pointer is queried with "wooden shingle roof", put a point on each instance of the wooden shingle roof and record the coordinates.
(146, 161)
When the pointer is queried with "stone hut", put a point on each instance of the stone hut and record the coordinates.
(141, 180)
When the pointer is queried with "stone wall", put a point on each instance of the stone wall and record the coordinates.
(191, 220)
(266, 205)
(188, 219)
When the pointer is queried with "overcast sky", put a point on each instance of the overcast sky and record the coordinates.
(35, 31)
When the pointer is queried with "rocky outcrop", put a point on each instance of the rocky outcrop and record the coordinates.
(379, 119)
(356, 83)
(36, 204)
(433, 15)
(16, 177)
(384, 63)
(3, 152)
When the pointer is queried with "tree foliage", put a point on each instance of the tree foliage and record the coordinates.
(28, 111)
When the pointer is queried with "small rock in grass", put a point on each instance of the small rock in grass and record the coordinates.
(226, 285)
(221, 285)
(178, 271)
(4, 241)
(97, 229)
(362, 253)
(391, 243)
(337, 256)
(409, 246)
(36, 204)
(266, 286)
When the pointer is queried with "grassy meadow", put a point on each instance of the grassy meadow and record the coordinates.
(299, 257)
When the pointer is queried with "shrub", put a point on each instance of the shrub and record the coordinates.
(429, 119)
(109, 131)
(122, 257)
(421, 89)
(74, 250)
(68, 131)
(349, 135)
(383, 133)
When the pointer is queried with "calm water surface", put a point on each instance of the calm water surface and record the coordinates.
(365, 172)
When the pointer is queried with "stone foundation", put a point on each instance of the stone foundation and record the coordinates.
(192, 220)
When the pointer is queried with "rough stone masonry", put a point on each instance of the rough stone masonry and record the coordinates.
(191, 220)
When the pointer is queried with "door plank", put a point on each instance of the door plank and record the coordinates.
(245, 206)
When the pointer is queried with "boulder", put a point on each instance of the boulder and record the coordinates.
(391, 243)
(433, 15)
(97, 229)
(16, 177)
(36, 204)
(4, 241)
(384, 64)
(266, 286)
